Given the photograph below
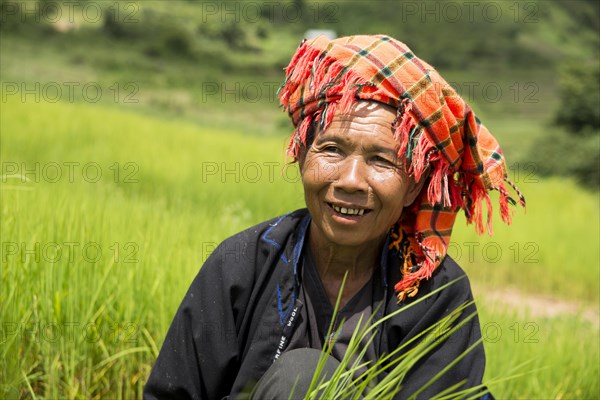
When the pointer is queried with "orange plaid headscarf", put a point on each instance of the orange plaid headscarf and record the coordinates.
(437, 131)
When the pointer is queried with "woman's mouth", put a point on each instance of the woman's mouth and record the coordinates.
(347, 211)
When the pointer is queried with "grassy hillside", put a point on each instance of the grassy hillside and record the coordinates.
(130, 149)
(220, 63)
(94, 266)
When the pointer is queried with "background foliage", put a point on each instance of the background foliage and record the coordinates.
(188, 114)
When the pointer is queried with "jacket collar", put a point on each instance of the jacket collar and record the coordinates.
(302, 231)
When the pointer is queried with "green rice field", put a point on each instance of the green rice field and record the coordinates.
(107, 215)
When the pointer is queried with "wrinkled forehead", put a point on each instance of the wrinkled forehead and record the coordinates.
(365, 114)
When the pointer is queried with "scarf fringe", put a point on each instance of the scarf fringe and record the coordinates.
(332, 87)
(456, 198)
(505, 211)
(402, 130)
(505, 199)
(299, 138)
(474, 210)
(518, 192)
(421, 156)
(328, 78)
(438, 191)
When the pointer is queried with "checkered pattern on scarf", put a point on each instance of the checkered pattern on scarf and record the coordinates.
(440, 137)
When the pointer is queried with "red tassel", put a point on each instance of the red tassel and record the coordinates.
(419, 156)
(297, 72)
(478, 195)
(489, 213)
(406, 121)
(346, 101)
(329, 113)
(402, 138)
(446, 191)
(505, 211)
(521, 197)
(303, 129)
(350, 87)
(435, 189)
(475, 209)
(456, 199)
(302, 65)
(299, 137)
(299, 53)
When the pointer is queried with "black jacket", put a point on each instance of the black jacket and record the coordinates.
(236, 315)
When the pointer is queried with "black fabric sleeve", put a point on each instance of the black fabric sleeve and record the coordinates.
(199, 358)
(423, 315)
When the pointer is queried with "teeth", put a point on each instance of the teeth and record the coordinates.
(348, 211)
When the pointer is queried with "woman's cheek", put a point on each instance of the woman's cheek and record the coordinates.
(319, 170)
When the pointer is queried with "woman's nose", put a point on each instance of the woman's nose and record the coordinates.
(352, 176)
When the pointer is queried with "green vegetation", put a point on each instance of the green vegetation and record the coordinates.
(83, 324)
(87, 322)
(344, 385)
(197, 60)
(575, 150)
(189, 143)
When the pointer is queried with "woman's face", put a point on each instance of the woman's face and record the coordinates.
(354, 184)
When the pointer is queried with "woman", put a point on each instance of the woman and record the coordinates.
(388, 154)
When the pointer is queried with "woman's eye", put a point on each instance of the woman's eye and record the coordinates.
(385, 161)
(331, 149)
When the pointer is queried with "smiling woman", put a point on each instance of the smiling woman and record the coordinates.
(388, 154)
(355, 190)
(365, 188)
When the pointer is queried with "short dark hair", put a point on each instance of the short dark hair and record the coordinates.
(311, 132)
